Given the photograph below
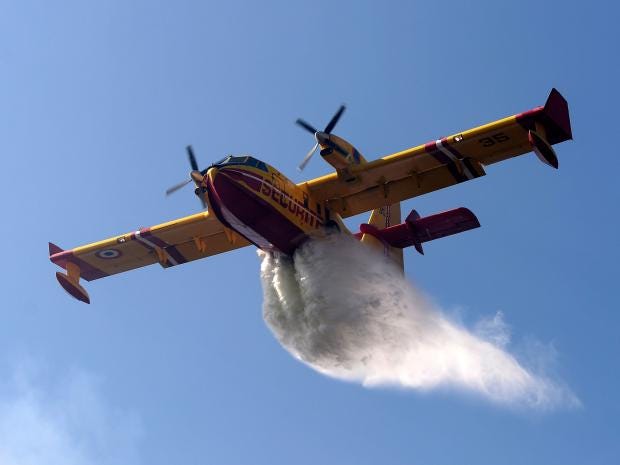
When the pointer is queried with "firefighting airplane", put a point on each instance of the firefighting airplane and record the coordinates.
(250, 202)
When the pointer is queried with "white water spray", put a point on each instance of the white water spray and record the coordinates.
(349, 313)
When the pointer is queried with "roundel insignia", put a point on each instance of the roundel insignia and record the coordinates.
(108, 254)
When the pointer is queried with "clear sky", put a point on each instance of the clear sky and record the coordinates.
(99, 99)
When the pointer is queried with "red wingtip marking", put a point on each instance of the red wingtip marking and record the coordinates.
(556, 108)
(54, 249)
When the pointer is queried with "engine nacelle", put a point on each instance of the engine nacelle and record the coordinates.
(340, 154)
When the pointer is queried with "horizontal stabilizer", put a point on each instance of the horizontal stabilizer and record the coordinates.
(442, 224)
(416, 230)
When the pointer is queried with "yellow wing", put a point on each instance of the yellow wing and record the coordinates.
(169, 244)
(446, 161)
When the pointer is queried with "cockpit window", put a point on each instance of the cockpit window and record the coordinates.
(243, 160)
(222, 161)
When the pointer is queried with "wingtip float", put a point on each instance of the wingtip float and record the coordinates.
(70, 281)
(250, 202)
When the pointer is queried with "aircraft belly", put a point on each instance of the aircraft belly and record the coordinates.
(259, 222)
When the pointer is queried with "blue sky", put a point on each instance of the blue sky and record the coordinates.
(98, 102)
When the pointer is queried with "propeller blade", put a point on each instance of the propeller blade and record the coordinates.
(307, 126)
(177, 187)
(192, 158)
(308, 157)
(198, 177)
(195, 176)
(330, 126)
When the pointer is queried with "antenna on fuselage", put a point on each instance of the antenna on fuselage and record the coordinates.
(195, 175)
(317, 134)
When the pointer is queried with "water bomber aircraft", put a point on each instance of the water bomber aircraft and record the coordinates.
(247, 201)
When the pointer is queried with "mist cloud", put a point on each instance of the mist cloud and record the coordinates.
(64, 421)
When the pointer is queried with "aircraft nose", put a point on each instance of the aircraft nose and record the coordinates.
(212, 171)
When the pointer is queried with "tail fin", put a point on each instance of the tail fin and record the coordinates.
(415, 230)
(382, 218)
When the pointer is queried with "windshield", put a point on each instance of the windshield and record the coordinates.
(242, 160)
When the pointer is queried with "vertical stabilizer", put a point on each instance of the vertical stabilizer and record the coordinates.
(382, 218)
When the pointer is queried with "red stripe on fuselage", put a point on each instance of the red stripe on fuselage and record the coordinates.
(271, 190)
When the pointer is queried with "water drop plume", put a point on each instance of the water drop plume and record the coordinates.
(347, 312)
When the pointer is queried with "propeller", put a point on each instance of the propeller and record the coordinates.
(178, 186)
(195, 175)
(315, 132)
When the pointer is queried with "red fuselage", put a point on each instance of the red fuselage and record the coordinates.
(260, 204)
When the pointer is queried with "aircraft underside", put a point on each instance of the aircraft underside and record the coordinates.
(251, 216)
